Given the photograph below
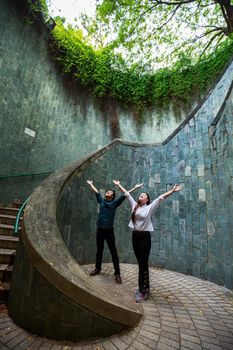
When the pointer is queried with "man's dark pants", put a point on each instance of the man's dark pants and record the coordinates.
(108, 235)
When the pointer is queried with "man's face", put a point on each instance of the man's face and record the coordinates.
(109, 195)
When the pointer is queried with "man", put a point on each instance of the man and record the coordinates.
(105, 229)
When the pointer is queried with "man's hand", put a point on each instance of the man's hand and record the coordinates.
(116, 182)
(90, 183)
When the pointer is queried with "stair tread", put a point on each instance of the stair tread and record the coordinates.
(10, 208)
(4, 285)
(7, 251)
(3, 267)
(6, 216)
(6, 267)
(8, 226)
(9, 238)
(9, 268)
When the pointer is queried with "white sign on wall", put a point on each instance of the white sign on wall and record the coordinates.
(30, 132)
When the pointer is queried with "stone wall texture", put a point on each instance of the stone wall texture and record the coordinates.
(193, 228)
(44, 122)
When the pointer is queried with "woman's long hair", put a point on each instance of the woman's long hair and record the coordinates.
(138, 205)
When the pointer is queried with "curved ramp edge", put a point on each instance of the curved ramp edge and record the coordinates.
(48, 254)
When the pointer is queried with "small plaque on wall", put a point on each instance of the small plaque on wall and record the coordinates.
(30, 132)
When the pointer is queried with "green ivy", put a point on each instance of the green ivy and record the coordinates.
(107, 74)
(38, 8)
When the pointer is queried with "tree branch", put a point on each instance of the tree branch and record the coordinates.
(93, 36)
(221, 34)
(175, 3)
(139, 17)
(163, 25)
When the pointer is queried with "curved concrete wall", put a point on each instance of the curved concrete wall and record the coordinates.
(193, 229)
(64, 301)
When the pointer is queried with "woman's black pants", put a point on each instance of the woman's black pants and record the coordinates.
(108, 235)
(141, 245)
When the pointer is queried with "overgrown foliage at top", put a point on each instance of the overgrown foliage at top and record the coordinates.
(38, 9)
(159, 31)
(107, 74)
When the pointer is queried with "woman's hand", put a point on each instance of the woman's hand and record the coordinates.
(176, 188)
(90, 182)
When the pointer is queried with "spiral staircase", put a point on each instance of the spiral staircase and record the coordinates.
(8, 246)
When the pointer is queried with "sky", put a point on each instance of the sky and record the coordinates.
(70, 8)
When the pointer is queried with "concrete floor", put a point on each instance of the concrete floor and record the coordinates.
(182, 312)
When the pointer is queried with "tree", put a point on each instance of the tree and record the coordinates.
(160, 30)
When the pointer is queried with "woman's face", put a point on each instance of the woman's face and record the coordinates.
(143, 198)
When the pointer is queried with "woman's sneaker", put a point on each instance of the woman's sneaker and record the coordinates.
(140, 297)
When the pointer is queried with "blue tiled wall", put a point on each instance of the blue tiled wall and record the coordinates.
(193, 228)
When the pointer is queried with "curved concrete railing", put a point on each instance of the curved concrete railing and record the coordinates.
(48, 254)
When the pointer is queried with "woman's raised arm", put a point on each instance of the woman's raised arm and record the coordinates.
(175, 188)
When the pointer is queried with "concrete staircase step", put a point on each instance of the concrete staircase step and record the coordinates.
(6, 229)
(4, 291)
(8, 219)
(8, 242)
(3, 268)
(17, 204)
(8, 210)
(8, 245)
(7, 256)
(5, 272)
(11, 205)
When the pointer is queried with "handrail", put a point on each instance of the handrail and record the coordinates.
(16, 225)
(27, 174)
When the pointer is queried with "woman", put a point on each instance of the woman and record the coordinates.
(140, 222)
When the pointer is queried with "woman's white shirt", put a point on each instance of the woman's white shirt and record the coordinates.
(143, 214)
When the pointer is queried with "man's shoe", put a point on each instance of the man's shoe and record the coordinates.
(94, 272)
(118, 279)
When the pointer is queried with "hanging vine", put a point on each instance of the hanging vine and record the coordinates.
(106, 74)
